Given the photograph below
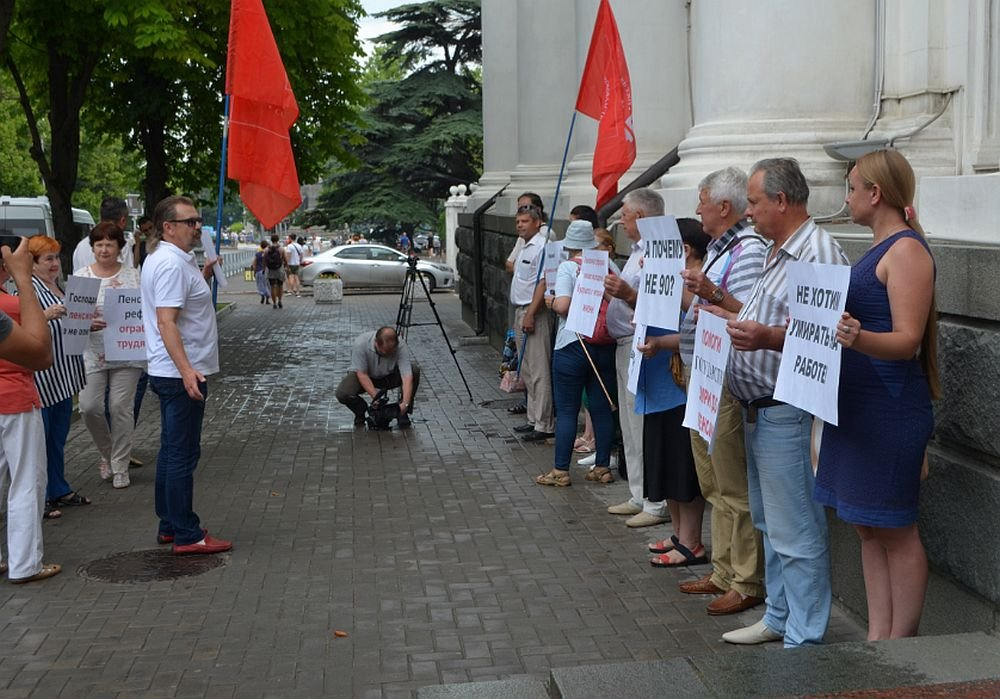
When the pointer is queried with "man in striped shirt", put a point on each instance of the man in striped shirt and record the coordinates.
(779, 469)
(733, 265)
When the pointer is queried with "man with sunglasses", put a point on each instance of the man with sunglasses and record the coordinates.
(182, 347)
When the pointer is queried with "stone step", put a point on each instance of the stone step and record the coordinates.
(957, 665)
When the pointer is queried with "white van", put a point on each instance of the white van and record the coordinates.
(29, 216)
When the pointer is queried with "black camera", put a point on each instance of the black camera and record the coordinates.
(381, 412)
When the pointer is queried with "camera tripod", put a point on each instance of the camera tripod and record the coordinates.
(405, 314)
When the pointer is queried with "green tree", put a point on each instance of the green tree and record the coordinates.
(422, 132)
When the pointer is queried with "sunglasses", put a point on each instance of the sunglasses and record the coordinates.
(192, 222)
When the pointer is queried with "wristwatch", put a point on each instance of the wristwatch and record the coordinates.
(717, 295)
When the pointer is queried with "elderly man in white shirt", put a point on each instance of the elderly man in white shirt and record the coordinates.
(182, 347)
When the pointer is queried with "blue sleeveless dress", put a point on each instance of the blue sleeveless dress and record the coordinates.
(869, 465)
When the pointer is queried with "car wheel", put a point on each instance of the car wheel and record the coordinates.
(429, 280)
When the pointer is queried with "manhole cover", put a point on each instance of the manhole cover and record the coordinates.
(149, 566)
(502, 403)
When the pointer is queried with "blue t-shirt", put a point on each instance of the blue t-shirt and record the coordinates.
(657, 391)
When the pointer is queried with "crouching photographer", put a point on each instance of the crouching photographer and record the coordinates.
(379, 361)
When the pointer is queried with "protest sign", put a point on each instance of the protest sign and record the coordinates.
(124, 336)
(660, 288)
(588, 292)
(635, 359)
(81, 307)
(708, 374)
(553, 257)
(209, 246)
(809, 374)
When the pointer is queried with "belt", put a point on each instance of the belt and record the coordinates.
(752, 406)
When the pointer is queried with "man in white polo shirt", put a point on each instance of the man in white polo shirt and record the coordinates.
(182, 348)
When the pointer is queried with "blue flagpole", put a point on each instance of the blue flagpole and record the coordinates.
(548, 231)
(222, 193)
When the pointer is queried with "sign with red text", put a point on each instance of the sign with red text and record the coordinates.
(81, 308)
(553, 258)
(809, 374)
(124, 336)
(660, 287)
(588, 292)
(708, 374)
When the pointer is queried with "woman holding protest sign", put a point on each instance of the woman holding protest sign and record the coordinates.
(580, 363)
(668, 464)
(59, 383)
(119, 377)
(870, 465)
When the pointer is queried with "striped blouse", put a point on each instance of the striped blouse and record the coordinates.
(65, 377)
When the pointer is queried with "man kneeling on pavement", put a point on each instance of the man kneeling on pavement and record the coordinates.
(379, 360)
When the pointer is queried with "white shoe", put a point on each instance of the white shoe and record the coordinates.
(588, 460)
(626, 508)
(121, 480)
(104, 469)
(752, 635)
(645, 519)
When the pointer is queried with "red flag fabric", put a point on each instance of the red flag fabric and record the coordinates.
(606, 95)
(262, 109)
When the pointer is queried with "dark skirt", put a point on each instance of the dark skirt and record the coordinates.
(668, 471)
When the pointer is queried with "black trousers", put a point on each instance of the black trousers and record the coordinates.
(349, 391)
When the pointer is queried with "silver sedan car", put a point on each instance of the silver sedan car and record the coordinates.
(366, 265)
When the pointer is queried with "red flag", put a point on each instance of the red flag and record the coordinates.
(262, 109)
(606, 95)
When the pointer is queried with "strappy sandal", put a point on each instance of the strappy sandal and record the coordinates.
(583, 446)
(559, 479)
(47, 571)
(664, 546)
(691, 557)
(70, 499)
(600, 474)
(51, 512)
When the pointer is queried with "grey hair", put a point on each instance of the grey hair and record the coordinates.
(783, 175)
(645, 200)
(728, 184)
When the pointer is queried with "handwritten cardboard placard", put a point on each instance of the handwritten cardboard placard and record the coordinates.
(708, 374)
(588, 292)
(81, 308)
(660, 288)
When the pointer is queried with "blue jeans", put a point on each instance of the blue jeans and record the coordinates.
(56, 420)
(140, 391)
(571, 373)
(180, 448)
(796, 546)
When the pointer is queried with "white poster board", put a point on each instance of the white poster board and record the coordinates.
(209, 246)
(124, 336)
(588, 292)
(809, 375)
(553, 257)
(81, 308)
(635, 359)
(708, 374)
(660, 287)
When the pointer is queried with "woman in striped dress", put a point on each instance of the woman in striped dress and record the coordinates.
(58, 384)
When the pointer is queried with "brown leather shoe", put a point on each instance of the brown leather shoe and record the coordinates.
(731, 603)
(701, 586)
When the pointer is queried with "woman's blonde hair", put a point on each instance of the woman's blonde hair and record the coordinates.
(897, 184)
(604, 239)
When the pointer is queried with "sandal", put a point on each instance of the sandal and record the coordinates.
(600, 474)
(70, 499)
(559, 479)
(51, 512)
(665, 545)
(690, 557)
(518, 409)
(47, 571)
(583, 446)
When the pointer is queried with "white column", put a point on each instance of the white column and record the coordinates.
(453, 206)
(776, 79)
(500, 94)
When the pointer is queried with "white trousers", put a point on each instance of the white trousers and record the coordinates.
(631, 425)
(22, 460)
(114, 444)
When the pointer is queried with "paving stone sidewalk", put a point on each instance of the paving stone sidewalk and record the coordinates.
(431, 547)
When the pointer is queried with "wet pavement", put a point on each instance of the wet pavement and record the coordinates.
(365, 564)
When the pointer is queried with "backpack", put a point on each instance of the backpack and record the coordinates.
(273, 258)
(601, 335)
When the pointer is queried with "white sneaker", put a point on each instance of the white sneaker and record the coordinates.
(121, 480)
(104, 469)
(752, 635)
(588, 460)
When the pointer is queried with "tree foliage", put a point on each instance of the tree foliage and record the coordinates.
(422, 130)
